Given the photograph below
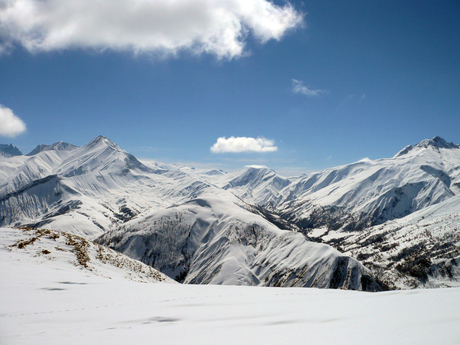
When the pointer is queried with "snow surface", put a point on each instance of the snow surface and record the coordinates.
(47, 301)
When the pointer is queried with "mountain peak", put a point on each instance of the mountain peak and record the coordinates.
(59, 146)
(9, 150)
(435, 143)
(101, 140)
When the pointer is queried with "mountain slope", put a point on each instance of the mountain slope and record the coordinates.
(397, 215)
(71, 253)
(213, 240)
(420, 250)
(361, 194)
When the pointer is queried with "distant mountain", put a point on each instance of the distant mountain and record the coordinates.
(363, 201)
(357, 195)
(88, 182)
(9, 150)
(436, 143)
(59, 146)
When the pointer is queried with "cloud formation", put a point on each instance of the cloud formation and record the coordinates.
(10, 124)
(299, 87)
(165, 27)
(243, 144)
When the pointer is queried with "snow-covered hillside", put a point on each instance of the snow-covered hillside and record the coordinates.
(213, 240)
(69, 254)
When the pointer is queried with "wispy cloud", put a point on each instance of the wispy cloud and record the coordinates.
(243, 144)
(164, 27)
(10, 124)
(355, 98)
(299, 87)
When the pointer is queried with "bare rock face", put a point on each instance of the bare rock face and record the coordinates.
(9, 150)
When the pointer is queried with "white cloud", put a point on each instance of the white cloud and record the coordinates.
(165, 27)
(299, 87)
(243, 144)
(10, 124)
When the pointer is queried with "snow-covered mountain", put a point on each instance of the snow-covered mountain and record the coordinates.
(61, 183)
(370, 209)
(205, 226)
(167, 217)
(59, 146)
(213, 240)
(361, 194)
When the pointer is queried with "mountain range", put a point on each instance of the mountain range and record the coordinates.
(371, 225)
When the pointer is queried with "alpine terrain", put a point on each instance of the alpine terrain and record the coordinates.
(399, 215)
(370, 225)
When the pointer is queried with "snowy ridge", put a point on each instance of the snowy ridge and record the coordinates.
(59, 146)
(72, 252)
(361, 194)
(212, 240)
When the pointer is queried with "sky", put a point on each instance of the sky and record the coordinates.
(297, 86)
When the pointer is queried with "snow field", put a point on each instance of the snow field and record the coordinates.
(47, 301)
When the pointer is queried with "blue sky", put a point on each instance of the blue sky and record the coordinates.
(354, 79)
